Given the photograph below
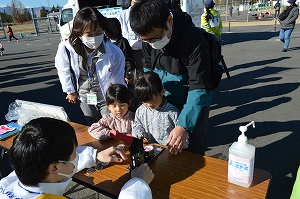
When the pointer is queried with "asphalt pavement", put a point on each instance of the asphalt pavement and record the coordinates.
(264, 88)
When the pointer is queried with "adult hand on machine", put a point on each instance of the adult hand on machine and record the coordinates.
(112, 154)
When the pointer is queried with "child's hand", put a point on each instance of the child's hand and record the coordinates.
(145, 140)
(127, 80)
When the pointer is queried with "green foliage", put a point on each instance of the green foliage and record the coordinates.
(16, 8)
(6, 18)
(19, 13)
(26, 15)
(52, 9)
(55, 9)
(43, 12)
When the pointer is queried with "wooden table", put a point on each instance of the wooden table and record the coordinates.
(186, 175)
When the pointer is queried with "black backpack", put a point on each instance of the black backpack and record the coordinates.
(218, 65)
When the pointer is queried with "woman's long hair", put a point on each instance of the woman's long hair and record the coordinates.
(87, 19)
(208, 14)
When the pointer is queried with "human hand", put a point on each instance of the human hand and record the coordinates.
(145, 141)
(144, 172)
(127, 80)
(177, 140)
(72, 98)
(112, 154)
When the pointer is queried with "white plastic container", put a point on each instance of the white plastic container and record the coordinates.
(241, 160)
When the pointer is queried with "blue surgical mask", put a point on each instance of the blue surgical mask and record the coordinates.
(74, 162)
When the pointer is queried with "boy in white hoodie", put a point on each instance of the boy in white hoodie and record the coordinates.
(45, 156)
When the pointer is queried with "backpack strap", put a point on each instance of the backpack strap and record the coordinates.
(225, 67)
(73, 77)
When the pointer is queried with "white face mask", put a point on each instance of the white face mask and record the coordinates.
(74, 162)
(161, 43)
(92, 42)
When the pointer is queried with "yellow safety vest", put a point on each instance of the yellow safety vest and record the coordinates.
(214, 25)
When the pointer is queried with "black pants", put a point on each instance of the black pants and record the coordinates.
(198, 136)
(137, 57)
(12, 36)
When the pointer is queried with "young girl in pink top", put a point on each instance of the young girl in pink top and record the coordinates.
(120, 118)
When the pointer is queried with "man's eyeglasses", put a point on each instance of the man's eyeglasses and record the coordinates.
(153, 39)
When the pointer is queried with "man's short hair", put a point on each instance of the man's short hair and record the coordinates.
(148, 14)
(147, 85)
(42, 141)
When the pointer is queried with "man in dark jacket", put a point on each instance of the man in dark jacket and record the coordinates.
(287, 24)
(177, 50)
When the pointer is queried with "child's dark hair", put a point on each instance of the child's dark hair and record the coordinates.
(115, 27)
(147, 85)
(117, 92)
(41, 142)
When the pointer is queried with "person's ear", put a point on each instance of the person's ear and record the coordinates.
(163, 92)
(170, 20)
(52, 169)
(130, 101)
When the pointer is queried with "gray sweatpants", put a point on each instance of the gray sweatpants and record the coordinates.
(93, 113)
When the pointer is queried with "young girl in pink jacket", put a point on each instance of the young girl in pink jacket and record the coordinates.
(120, 119)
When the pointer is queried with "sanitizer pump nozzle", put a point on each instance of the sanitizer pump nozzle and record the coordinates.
(242, 138)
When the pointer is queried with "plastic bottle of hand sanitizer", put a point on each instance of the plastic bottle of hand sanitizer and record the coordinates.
(241, 160)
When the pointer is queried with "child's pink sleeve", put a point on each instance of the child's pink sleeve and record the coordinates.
(100, 130)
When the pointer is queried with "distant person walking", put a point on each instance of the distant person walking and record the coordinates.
(1, 49)
(11, 34)
(230, 11)
(211, 20)
(287, 23)
(277, 9)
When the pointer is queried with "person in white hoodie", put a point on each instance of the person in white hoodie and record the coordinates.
(45, 155)
(88, 63)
